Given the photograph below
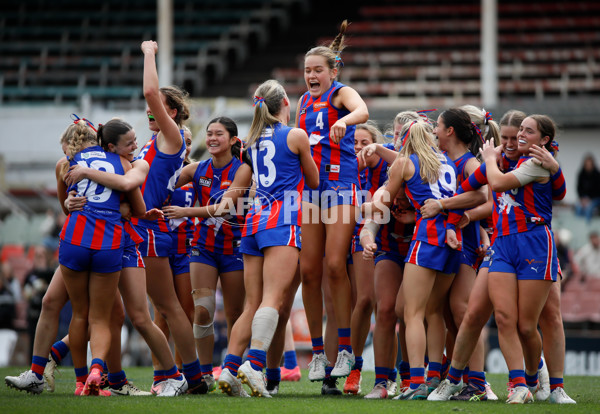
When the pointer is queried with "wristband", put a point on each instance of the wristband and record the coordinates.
(440, 204)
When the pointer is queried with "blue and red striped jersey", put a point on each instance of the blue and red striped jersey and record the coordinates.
(182, 229)
(431, 230)
(470, 233)
(160, 181)
(98, 226)
(279, 182)
(336, 162)
(520, 209)
(216, 234)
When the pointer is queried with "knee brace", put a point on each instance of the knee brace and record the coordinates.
(205, 298)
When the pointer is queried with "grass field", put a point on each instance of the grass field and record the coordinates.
(300, 397)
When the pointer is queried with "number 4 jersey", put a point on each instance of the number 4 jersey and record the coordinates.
(336, 162)
(98, 226)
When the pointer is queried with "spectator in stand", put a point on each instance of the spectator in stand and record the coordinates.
(7, 305)
(587, 258)
(34, 288)
(569, 271)
(11, 282)
(588, 188)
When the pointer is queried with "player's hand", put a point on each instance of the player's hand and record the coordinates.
(430, 208)
(74, 203)
(154, 214)
(543, 157)
(491, 152)
(369, 250)
(451, 239)
(337, 131)
(149, 46)
(75, 174)
(173, 212)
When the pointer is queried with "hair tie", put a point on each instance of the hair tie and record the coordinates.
(478, 131)
(241, 146)
(487, 116)
(76, 119)
(423, 114)
(339, 61)
(554, 146)
(258, 100)
(405, 136)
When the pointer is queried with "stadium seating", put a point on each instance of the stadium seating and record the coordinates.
(59, 50)
(432, 50)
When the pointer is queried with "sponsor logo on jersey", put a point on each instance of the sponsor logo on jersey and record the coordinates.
(205, 181)
(93, 154)
(319, 105)
(225, 184)
(334, 168)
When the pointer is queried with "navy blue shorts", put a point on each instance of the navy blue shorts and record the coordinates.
(530, 255)
(278, 236)
(180, 263)
(441, 259)
(224, 263)
(132, 257)
(82, 259)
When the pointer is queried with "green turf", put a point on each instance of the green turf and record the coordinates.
(295, 397)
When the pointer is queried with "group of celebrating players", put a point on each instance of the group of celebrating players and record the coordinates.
(433, 232)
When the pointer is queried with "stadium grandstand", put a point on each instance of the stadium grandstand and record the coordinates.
(59, 57)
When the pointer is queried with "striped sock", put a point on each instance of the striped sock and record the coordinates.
(38, 365)
(531, 380)
(328, 371)
(232, 363)
(59, 351)
(172, 373)
(81, 374)
(97, 363)
(358, 363)
(289, 359)
(274, 374)
(434, 370)
(454, 375)
(206, 369)
(465, 376)
(445, 367)
(381, 375)
(417, 377)
(117, 380)
(541, 364)
(404, 369)
(556, 383)
(518, 377)
(159, 376)
(104, 366)
(344, 340)
(257, 358)
(192, 373)
(393, 375)
(477, 379)
(317, 345)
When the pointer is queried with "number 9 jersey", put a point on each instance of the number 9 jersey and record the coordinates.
(432, 230)
(98, 226)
